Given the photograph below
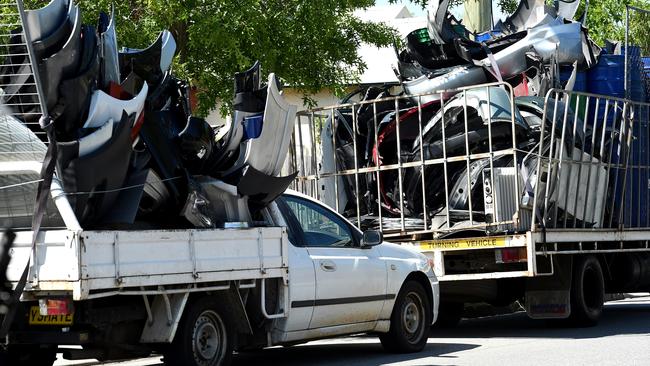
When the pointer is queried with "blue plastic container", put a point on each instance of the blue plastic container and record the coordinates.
(646, 75)
(634, 53)
(581, 78)
(606, 78)
(635, 209)
(580, 86)
(646, 62)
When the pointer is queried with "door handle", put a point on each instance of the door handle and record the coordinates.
(328, 266)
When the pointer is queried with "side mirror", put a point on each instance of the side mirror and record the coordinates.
(371, 238)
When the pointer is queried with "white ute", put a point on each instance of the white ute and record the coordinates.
(195, 296)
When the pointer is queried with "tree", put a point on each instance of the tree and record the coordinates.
(606, 21)
(311, 45)
(507, 6)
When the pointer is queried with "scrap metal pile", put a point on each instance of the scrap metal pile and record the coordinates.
(527, 51)
(128, 148)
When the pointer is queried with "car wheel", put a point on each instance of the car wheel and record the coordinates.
(587, 292)
(409, 321)
(205, 336)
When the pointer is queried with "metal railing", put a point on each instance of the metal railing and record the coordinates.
(387, 156)
(601, 170)
(22, 141)
(432, 165)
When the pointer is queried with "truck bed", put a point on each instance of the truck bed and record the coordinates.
(99, 263)
(499, 209)
(537, 245)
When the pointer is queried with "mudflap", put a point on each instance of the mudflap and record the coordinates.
(549, 297)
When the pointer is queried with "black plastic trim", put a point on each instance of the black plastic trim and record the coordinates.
(340, 301)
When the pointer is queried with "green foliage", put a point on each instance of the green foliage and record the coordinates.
(508, 6)
(640, 29)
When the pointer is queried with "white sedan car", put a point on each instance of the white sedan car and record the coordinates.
(343, 281)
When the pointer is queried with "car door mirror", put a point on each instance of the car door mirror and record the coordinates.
(371, 238)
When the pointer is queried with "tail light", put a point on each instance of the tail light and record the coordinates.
(61, 306)
(511, 255)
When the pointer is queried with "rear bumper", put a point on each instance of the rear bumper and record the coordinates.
(52, 337)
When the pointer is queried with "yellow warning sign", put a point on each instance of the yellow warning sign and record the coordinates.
(471, 243)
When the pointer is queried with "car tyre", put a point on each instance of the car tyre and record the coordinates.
(409, 321)
(205, 336)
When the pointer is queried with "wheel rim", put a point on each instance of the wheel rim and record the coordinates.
(413, 317)
(208, 339)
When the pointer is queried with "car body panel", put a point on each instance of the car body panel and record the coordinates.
(267, 152)
(111, 64)
(64, 63)
(350, 285)
(457, 78)
(42, 22)
(104, 107)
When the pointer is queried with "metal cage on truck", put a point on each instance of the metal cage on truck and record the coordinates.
(564, 174)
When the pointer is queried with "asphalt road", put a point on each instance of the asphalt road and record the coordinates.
(621, 338)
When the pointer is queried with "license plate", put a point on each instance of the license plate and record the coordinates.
(35, 318)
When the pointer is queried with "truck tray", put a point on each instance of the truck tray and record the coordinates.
(98, 263)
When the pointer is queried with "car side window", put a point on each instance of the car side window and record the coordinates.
(320, 227)
(294, 231)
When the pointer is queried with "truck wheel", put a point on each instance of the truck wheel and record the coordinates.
(449, 314)
(587, 292)
(205, 336)
(409, 322)
(28, 356)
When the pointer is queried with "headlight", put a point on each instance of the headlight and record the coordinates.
(425, 265)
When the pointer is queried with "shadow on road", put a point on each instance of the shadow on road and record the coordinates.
(446, 345)
(349, 353)
(619, 318)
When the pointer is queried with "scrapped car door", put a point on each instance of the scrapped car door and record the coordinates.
(350, 281)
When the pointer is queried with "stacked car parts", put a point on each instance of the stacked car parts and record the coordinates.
(128, 148)
(469, 124)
